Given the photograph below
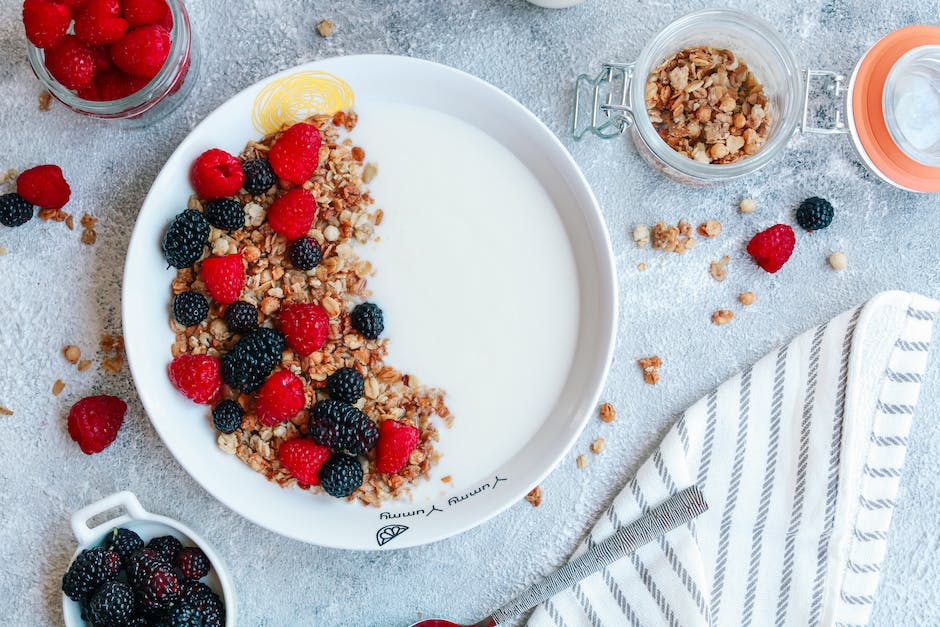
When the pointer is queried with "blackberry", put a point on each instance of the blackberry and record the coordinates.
(368, 320)
(227, 416)
(226, 214)
(190, 308)
(342, 427)
(206, 602)
(341, 475)
(137, 621)
(259, 176)
(305, 253)
(814, 214)
(166, 547)
(346, 384)
(241, 317)
(181, 615)
(251, 360)
(90, 569)
(193, 563)
(185, 239)
(123, 542)
(14, 210)
(156, 585)
(111, 605)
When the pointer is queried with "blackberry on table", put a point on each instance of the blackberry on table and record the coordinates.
(14, 210)
(241, 317)
(259, 176)
(346, 384)
(252, 359)
(305, 253)
(190, 308)
(226, 214)
(206, 602)
(166, 547)
(340, 426)
(367, 318)
(112, 605)
(185, 239)
(814, 214)
(341, 475)
(123, 542)
(90, 569)
(227, 416)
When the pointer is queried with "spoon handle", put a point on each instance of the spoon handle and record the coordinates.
(678, 510)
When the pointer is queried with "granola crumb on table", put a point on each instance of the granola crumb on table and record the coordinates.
(838, 261)
(599, 446)
(57, 387)
(641, 266)
(722, 316)
(535, 496)
(5, 412)
(326, 28)
(748, 205)
(674, 239)
(748, 298)
(582, 461)
(641, 235)
(710, 229)
(650, 367)
(45, 100)
(607, 412)
(719, 269)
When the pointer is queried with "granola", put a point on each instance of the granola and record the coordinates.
(607, 412)
(748, 298)
(722, 316)
(674, 239)
(650, 366)
(535, 496)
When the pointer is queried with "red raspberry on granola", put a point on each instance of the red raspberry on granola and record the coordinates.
(280, 398)
(396, 443)
(216, 174)
(296, 153)
(198, 377)
(224, 277)
(303, 459)
(293, 214)
(306, 327)
(94, 422)
(44, 186)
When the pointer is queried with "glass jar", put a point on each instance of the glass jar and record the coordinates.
(155, 100)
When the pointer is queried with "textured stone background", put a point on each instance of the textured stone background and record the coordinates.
(57, 291)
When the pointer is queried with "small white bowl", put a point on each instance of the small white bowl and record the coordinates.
(147, 526)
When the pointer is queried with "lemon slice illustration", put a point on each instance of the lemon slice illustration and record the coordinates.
(388, 533)
(298, 96)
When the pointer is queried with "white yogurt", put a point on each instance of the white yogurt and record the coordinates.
(476, 277)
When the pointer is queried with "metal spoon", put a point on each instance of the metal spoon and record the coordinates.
(678, 510)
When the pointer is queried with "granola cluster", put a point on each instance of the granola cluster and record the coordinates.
(345, 217)
(707, 105)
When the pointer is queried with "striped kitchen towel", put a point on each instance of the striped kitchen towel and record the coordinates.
(800, 459)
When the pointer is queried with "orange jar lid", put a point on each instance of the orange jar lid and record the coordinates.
(868, 114)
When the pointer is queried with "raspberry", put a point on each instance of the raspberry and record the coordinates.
(95, 31)
(94, 422)
(46, 22)
(771, 248)
(193, 563)
(123, 542)
(102, 8)
(296, 153)
(75, 5)
(280, 398)
(303, 459)
(306, 327)
(206, 602)
(396, 442)
(103, 63)
(293, 214)
(814, 214)
(241, 317)
(367, 318)
(217, 174)
(185, 239)
(342, 427)
(166, 547)
(224, 277)
(190, 308)
(198, 377)
(114, 84)
(305, 253)
(142, 51)
(259, 176)
(227, 416)
(14, 210)
(71, 63)
(142, 12)
(341, 475)
(346, 384)
(90, 569)
(111, 604)
(226, 214)
(44, 186)
(249, 362)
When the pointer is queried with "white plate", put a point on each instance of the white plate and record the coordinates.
(438, 510)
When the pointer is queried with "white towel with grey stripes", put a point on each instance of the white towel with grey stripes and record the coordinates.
(799, 458)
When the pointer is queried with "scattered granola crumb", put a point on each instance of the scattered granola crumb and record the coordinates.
(748, 298)
(674, 239)
(57, 387)
(112, 343)
(535, 496)
(84, 365)
(641, 235)
(369, 172)
(599, 446)
(748, 205)
(358, 153)
(719, 269)
(9, 176)
(650, 366)
(582, 461)
(710, 229)
(641, 267)
(722, 316)
(56, 215)
(607, 412)
(45, 100)
(5, 412)
(326, 28)
(89, 236)
(70, 222)
(3, 251)
(838, 260)
(72, 353)
(446, 478)
(113, 365)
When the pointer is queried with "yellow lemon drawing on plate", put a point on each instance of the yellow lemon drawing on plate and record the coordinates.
(298, 96)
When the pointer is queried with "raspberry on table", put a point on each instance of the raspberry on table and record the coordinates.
(111, 604)
(198, 377)
(396, 443)
(293, 214)
(340, 426)
(94, 422)
(814, 214)
(123, 542)
(186, 239)
(224, 277)
(252, 359)
(295, 155)
(241, 317)
(14, 210)
(143, 12)
(44, 186)
(341, 475)
(305, 325)
(772, 248)
(193, 563)
(143, 51)
(216, 174)
(227, 416)
(46, 22)
(71, 63)
(305, 253)
(166, 547)
(226, 214)
(259, 176)
(280, 398)
(367, 318)
(346, 384)
(206, 602)
(190, 308)
(303, 459)
(90, 569)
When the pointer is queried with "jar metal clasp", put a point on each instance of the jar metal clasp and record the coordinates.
(824, 103)
(610, 110)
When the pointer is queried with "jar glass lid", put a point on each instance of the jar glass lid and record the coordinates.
(912, 104)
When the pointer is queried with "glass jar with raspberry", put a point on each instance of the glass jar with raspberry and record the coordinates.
(128, 60)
